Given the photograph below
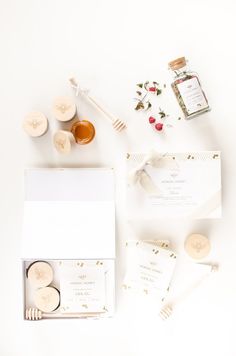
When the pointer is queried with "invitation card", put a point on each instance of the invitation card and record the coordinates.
(149, 268)
(82, 286)
(174, 185)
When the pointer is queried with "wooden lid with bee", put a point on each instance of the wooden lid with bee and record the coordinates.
(35, 124)
(47, 299)
(63, 140)
(64, 109)
(40, 274)
(197, 246)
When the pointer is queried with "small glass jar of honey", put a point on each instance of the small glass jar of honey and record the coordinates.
(83, 131)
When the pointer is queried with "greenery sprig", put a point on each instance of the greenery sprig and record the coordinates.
(147, 89)
(159, 119)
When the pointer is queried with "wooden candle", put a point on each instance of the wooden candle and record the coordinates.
(197, 246)
(63, 140)
(83, 131)
(35, 124)
(64, 109)
(40, 274)
(47, 299)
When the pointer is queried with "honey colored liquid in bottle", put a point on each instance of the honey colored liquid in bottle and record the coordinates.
(187, 89)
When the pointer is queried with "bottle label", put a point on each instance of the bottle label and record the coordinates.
(192, 95)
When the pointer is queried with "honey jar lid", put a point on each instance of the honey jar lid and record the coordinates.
(40, 274)
(64, 109)
(197, 246)
(177, 63)
(35, 124)
(62, 141)
(47, 299)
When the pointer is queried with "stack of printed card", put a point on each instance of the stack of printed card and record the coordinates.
(83, 286)
(150, 266)
(174, 185)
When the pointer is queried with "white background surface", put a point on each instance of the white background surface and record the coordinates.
(110, 46)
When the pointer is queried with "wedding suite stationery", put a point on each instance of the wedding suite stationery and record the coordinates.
(174, 185)
(69, 223)
(83, 286)
(149, 268)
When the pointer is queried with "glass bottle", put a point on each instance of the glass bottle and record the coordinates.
(187, 89)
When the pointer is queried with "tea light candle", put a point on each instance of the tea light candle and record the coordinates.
(83, 131)
(35, 124)
(64, 109)
(197, 246)
(47, 299)
(63, 141)
(40, 274)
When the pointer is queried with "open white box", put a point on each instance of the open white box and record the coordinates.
(69, 214)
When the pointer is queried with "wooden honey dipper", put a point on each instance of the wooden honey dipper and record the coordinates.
(36, 314)
(117, 124)
(167, 309)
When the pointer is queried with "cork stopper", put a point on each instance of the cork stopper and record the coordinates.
(177, 63)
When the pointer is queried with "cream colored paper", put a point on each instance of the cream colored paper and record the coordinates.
(189, 187)
(82, 286)
(149, 269)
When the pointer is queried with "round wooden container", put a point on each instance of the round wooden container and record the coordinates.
(40, 274)
(64, 109)
(63, 141)
(35, 124)
(197, 246)
(47, 299)
(83, 131)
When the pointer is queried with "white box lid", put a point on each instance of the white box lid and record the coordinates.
(69, 213)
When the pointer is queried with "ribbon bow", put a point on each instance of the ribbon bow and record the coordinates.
(77, 88)
(140, 175)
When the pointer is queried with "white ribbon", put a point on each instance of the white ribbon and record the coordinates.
(140, 175)
(77, 88)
